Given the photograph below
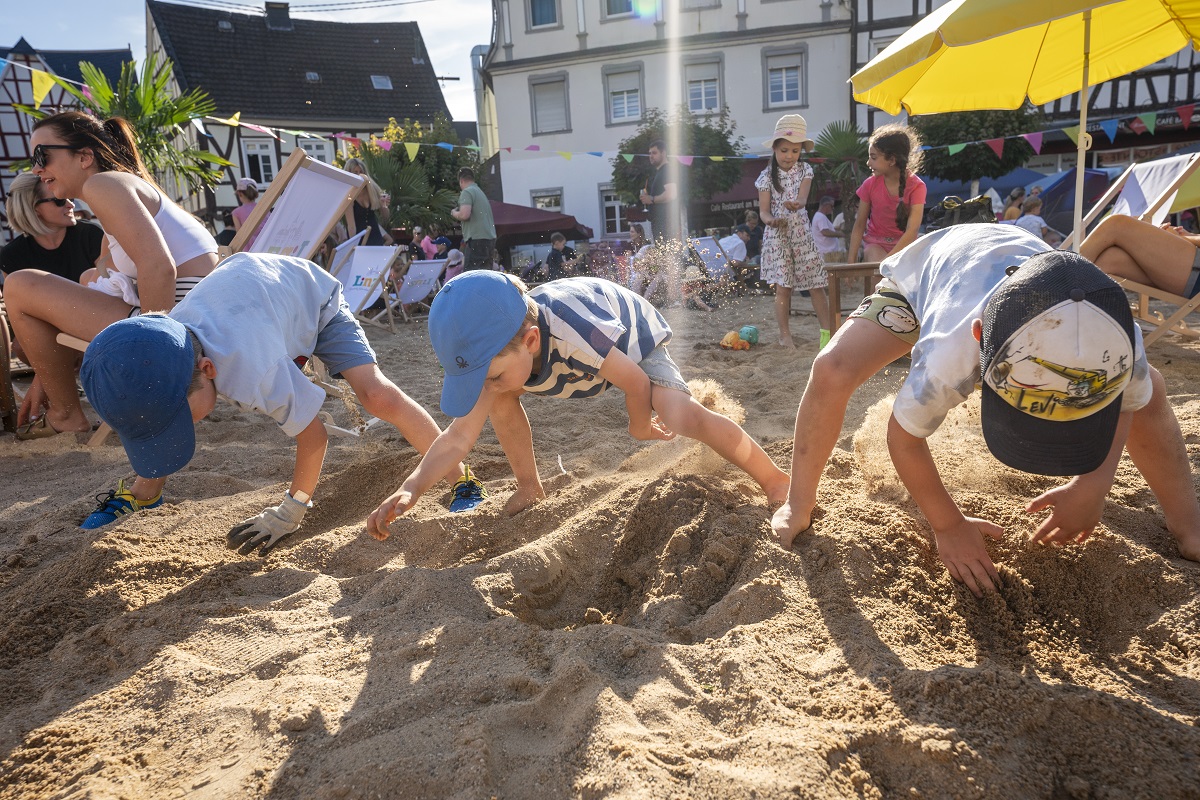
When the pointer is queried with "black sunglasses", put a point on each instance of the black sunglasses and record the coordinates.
(58, 201)
(39, 153)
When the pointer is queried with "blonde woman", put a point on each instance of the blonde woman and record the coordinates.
(367, 207)
(51, 236)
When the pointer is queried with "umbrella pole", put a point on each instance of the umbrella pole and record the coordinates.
(1084, 140)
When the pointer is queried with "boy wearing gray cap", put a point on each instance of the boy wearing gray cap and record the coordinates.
(574, 337)
(239, 334)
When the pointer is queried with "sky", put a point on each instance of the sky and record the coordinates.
(450, 29)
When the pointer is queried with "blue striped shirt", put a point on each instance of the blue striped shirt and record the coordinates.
(581, 321)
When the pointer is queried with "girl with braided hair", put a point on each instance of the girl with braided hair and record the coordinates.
(893, 198)
(155, 252)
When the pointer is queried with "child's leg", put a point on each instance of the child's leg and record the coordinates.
(383, 399)
(874, 252)
(1156, 446)
(820, 304)
(859, 349)
(146, 489)
(783, 313)
(685, 416)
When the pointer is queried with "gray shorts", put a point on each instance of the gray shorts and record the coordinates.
(662, 371)
(1192, 287)
(342, 344)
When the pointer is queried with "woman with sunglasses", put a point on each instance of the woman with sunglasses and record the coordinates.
(51, 237)
(158, 253)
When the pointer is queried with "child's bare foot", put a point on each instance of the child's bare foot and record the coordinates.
(788, 522)
(786, 341)
(1189, 545)
(522, 499)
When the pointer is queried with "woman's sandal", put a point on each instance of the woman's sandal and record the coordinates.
(35, 429)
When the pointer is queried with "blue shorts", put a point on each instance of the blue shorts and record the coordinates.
(662, 371)
(342, 344)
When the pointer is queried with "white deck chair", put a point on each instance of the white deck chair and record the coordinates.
(418, 283)
(1147, 192)
(364, 276)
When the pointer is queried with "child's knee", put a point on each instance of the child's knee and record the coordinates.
(833, 373)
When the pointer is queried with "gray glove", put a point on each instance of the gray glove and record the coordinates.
(268, 527)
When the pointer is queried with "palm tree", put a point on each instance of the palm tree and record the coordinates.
(413, 202)
(843, 150)
(159, 119)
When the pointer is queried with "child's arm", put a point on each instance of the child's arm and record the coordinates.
(764, 209)
(516, 438)
(959, 538)
(801, 195)
(912, 230)
(1079, 503)
(447, 450)
(860, 227)
(623, 372)
(311, 444)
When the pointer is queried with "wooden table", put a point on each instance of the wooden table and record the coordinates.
(867, 270)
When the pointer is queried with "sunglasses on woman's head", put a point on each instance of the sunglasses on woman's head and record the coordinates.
(39, 153)
(58, 201)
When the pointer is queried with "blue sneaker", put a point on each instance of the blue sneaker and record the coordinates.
(117, 503)
(469, 492)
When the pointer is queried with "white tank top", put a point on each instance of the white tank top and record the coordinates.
(186, 238)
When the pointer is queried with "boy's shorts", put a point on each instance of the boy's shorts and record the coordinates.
(889, 309)
(342, 344)
(662, 371)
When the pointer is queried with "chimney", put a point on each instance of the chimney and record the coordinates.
(278, 18)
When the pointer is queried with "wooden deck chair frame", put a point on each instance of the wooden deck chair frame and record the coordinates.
(1144, 293)
(298, 163)
(696, 243)
(381, 274)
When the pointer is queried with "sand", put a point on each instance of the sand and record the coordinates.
(638, 634)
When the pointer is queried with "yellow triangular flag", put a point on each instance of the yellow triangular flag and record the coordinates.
(716, 158)
(564, 154)
(411, 148)
(41, 85)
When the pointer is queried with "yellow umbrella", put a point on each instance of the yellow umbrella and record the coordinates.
(985, 54)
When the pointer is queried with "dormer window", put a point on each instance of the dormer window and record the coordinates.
(224, 25)
(312, 77)
(381, 82)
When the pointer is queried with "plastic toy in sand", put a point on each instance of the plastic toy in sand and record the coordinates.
(749, 333)
(732, 341)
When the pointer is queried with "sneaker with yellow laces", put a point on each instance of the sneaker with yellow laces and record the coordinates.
(117, 503)
(469, 492)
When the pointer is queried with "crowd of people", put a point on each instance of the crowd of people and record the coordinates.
(170, 331)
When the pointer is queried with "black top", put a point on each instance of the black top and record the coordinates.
(78, 252)
(664, 217)
(365, 219)
(554, 263)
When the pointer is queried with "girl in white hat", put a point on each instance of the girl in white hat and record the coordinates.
(790, 258)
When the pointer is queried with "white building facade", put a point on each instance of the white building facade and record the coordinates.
(578, 76)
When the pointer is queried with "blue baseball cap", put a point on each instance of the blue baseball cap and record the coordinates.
(442, 240)
(136, 374)
(473, 317)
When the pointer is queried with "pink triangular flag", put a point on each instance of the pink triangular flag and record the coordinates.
(533, 147)
(354, 140)
(1185, 114)
(384, 144)
(506, 149)
(1035, 141)
(685, 160)
(997, 146)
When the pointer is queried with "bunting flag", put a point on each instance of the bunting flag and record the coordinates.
(233, 121)
(955, 149)
(1109, 126)
(411, 148)
(1137, 126)
(627, 156)
(533, 147)
(260, 129)
(1072, 134)
(716, 158)
(1150, 120)
(1035, 141)
(42, 83)
(997, 146)
(685, 160)
(445, 146)
(506, 149)
(1185, 114)
(595, 153)
(87, 92)
(353, 140)
(384, 145)
(564, 154)
(199, 125)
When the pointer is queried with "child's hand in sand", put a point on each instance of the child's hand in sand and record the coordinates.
(655, 429)
(522, 499)
(387, 513)
(961, 549)
(1077, 509)
(788, 523)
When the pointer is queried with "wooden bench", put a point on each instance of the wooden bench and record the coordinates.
(867, 270)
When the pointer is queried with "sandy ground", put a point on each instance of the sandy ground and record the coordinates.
(636, 635)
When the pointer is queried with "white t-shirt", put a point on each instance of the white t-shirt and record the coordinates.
(825, 244)
(254, 315)
(734, 247)
(1032, 223)
(948, 276)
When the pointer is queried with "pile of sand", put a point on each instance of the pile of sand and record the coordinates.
(636, 635)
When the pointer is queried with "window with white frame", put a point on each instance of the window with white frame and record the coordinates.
(260, 160)
(615, 8)
(543, 13)
(786, 78)
(703, 86)
(624, 96)
(615, 221)
(547, 199)
(383, 82)
(693, 5)
(548, 97)
(318, 149)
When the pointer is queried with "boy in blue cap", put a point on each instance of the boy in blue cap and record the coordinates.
(497, 340)
(239, 334)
